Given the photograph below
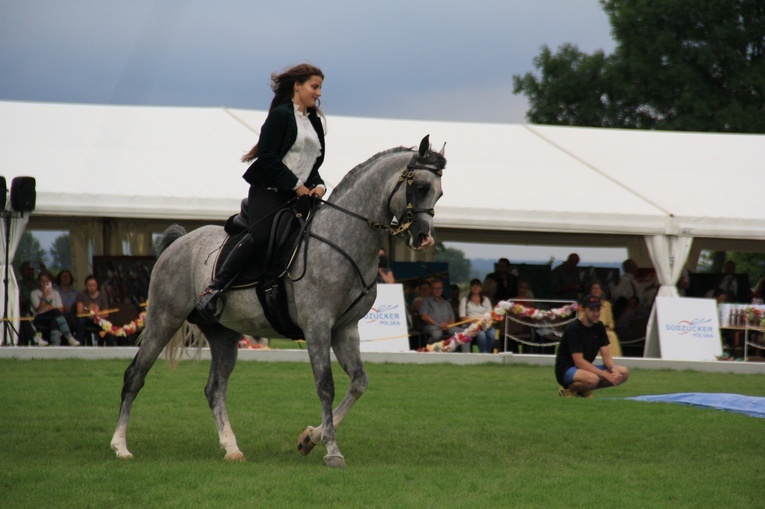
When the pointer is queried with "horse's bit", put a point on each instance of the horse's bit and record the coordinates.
(402, 223)
(396, 229)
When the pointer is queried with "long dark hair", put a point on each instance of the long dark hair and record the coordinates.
(88, 278)
(61, 274)
(283, 86)
(472, 283)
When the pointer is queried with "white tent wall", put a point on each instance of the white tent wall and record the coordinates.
(709, 185)
(182, 163)
(114, 175)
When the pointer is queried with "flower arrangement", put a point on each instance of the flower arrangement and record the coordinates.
(125, 330)
(247, 344)
(755, 316)
(497, 315)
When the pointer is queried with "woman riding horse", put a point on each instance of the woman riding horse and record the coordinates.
(392, 193)
(286, 164)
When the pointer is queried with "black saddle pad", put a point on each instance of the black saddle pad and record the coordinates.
(269, 284)
(273, 299)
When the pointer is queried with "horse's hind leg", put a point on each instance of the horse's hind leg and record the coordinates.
(159, 330)
(346, 348)
(223, 350)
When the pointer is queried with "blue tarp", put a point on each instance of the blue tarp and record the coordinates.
(749, 405)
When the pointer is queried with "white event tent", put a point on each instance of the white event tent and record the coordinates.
(115, 174)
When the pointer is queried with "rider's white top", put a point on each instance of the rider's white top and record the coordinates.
(306, 149)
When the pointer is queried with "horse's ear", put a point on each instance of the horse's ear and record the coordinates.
(443, 150)
(424, 145)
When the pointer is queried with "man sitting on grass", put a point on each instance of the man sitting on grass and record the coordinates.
(581, 342)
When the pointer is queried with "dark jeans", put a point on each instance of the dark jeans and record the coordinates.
(86, 330)
(53, 320)
(26, 333)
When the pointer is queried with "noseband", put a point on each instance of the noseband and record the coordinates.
(400, 225)
(407, 217)
(397, 228)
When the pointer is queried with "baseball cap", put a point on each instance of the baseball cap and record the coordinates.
(591, 301)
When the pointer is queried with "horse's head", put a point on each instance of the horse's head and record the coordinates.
(422, 184)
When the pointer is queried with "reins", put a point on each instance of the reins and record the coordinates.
(398, 229)
(403, 223)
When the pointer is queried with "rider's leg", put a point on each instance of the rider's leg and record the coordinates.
(241, 255)
(262, 204)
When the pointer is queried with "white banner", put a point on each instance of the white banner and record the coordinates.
(384, 328)
(688, 329)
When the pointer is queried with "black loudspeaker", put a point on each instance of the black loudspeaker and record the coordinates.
(3, 193)
(23, 194)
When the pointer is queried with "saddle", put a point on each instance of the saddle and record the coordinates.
(287, 234)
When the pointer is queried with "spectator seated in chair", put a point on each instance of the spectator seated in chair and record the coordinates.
(438, 316)
(473, 306)
(90, 304)
(48, 310)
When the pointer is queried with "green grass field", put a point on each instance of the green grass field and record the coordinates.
(423, 436)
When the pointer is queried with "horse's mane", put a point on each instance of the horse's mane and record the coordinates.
(353, 175)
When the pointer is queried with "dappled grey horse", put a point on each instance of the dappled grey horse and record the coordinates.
(337, 289)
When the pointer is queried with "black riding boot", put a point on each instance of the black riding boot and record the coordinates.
(237, 260)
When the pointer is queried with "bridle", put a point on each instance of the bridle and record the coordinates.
(407, 217)
(398, 227)
(401, 224)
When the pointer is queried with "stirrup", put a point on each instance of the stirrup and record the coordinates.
(207, 306)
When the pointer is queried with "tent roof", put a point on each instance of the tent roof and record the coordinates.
(181, 163)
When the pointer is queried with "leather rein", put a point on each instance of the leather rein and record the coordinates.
(400, 225)
(397, 228)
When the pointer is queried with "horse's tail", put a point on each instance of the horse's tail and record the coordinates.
(189, 340)
(173, 233)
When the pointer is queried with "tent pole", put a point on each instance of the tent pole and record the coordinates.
(7, 322)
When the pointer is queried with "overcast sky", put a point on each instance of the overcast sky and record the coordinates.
(422, 59)
(416, 59)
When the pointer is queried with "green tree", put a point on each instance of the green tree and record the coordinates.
(688, 65)
(61, 253)
(459, 266)
(572, 89)
(706, 262)
(752, 264)
(29, 250)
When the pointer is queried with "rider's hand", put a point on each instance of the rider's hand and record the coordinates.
(302, 191)
(317, 192)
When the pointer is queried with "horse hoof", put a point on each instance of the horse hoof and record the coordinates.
(335, 461)
(305, 444)
(121, 450)
(235, 456)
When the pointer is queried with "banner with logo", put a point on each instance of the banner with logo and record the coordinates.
(384, 328)
(688, 329)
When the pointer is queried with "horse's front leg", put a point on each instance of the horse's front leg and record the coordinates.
(223, 351)
(346, 347)
(318, 351)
